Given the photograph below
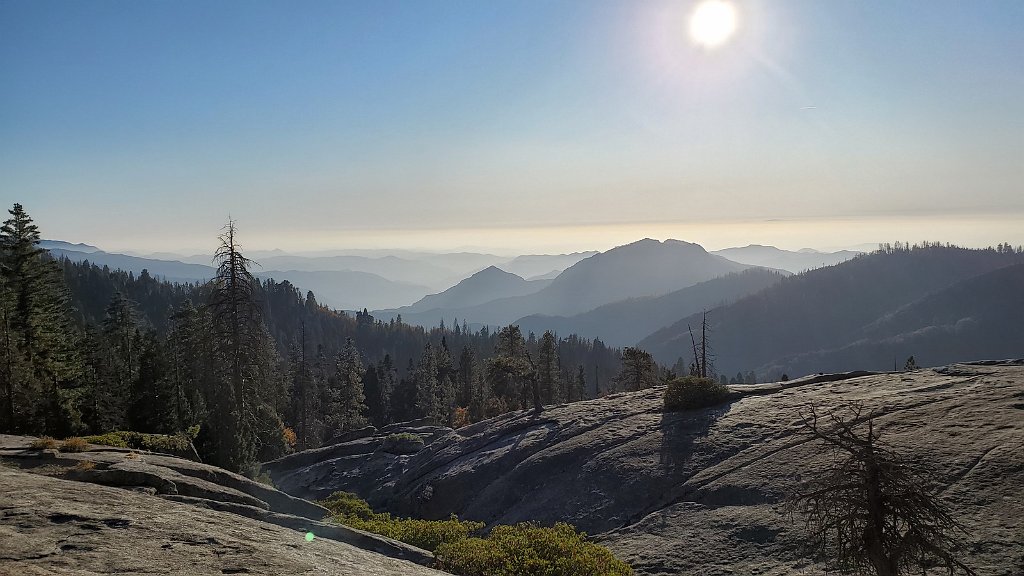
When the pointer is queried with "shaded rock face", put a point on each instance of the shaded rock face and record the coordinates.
(50, 526)
(700, 491)
(367, 465)
(51, 498)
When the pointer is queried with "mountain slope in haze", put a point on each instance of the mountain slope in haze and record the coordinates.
(980, 317)
(350, 290)
(530, 265)
(795, 262)
(62, 245)
(484, 286)
(643, 268)
(171, 270)
(390, 267)
(626, 322)
(826, 309)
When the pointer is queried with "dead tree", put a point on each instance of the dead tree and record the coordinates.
(871, 512)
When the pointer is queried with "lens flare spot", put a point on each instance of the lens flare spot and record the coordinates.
(309, 536)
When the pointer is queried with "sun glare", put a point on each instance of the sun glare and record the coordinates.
(712, 23)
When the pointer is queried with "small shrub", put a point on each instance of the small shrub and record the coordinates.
(348, 505)
(290, 438)
(84, 466)
(691, 393)
(43, 443)
(529, 550)
(74, 444)
(264, 478)
(403, 443)
(460, 417)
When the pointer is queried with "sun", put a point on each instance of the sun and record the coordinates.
(712, 23)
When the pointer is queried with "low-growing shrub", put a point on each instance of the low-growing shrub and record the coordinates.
(426, 534)
(74, 444)
(529, 550)
(348, 505)
(43, 443)
(691, 393)
(348, 509)
(402, 443)
(520, 550)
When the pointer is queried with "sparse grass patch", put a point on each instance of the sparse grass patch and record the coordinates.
(74, 444)
(691, 393)
(43, 443)
(84, 466)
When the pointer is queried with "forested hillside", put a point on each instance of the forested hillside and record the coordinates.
(256, 366)
(822, 312)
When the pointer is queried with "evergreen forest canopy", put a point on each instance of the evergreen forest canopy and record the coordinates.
(254, 366)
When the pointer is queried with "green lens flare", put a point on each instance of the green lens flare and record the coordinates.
(309, 536)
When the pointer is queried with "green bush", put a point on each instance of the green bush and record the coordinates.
(691, 393)
(529, 550)
(404, 443)
(520, 550)
(425, 534)
(348, 509)
(348, 505)
(177, 444)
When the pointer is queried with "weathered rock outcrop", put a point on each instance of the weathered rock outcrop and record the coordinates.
(699, 491)
(51, 526)
(51, 498)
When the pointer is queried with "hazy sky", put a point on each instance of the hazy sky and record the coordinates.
(514, 126)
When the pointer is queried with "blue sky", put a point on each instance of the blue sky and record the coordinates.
(548, 125)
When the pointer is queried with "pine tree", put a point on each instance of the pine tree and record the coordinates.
(425, 385)
(508, 371)
(348, 403)
(386, 388)
(548, 372)
(152, 395)
(638, 372)
(241, 418)
(472, 390)
(306, 413)
(579, 389)
(41, 343)
(445, 384)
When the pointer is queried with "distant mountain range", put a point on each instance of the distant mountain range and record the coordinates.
(938, 304)
(848, 311)
(795, 262)
(640, 269)
(349, 289)
(171, 270)
(626, 322)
